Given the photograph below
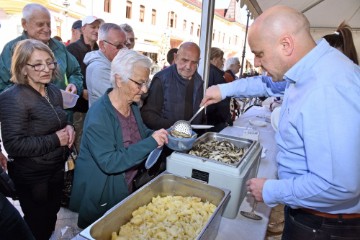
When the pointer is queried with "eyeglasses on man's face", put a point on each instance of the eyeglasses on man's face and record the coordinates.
(140, 85)
(118, 47)
(41, 67)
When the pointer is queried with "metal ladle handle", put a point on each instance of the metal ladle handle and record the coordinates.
(197, 113)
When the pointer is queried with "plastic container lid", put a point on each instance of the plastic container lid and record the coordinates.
(153, 157)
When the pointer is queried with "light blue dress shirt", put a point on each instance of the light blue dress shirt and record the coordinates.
(319, 135)
(253, 87)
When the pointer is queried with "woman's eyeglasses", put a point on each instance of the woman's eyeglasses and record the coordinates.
(118, 47)
(140, 85)
(41, 67)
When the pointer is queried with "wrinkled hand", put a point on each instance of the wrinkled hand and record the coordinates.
(71, 88)
(3, 161)
(255, 187)
(63, 136)
(161, 137)
(212, 95)
(71, 132)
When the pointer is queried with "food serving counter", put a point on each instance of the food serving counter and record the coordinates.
(241, 227)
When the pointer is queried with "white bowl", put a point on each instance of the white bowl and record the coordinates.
(69, 99)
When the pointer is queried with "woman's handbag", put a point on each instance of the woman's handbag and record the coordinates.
(69, 176)
(7, 186)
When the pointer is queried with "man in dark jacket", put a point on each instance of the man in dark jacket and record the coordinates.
(175, 92)
(86, 43)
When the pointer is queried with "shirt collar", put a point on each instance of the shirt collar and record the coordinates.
(295, 73)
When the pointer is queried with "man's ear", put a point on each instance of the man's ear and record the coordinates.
(24, 24)
(101, 45)
(287, 45)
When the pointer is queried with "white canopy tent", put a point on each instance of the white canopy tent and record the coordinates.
(321, 13)
(324, 15)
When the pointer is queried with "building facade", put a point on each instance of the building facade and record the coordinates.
(158, 24)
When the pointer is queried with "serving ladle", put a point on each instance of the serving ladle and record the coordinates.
(184, 127)
(251, 214)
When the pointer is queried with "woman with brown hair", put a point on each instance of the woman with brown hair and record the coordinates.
(36, 135)
(342, 39)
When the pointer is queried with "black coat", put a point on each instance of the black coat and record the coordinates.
(29, 124)
(165, 103)
(79, 49)
(218, 114)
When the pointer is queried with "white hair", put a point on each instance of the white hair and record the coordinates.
(231, 61)
(105, 29)
(30, 8)
(124, 62)
(126, 28)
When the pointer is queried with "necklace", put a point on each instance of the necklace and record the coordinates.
(48, 100)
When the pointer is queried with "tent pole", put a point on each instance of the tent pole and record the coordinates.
(244, 50)
(207, 18)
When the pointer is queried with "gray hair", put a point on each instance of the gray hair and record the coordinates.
(126, 27)
(30, 8)
(124, 63)
(231, 61)
(105, 29)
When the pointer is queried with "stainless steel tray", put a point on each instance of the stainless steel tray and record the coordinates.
(163, 185)
(238, 142)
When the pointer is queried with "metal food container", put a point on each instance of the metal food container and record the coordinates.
(164, 185)
(228, 176)
(238, 142)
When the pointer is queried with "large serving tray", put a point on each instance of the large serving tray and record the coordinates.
(164, 185)
(238, 142)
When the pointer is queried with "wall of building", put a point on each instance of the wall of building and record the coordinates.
(149, 38)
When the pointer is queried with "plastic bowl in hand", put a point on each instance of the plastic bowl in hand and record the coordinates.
(181, 144)
(69, 99)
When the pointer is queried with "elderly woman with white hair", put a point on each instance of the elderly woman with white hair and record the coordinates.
(115, 140)
(231, 67)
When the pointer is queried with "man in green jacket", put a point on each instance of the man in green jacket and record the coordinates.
(36, 25)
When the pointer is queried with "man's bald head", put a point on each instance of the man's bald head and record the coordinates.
(282, 35)
(189, 46)
(187, 59)
(280, 20)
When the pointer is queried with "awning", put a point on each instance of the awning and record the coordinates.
(321, 13)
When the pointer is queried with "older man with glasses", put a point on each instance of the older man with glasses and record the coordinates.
(111, 39)
(37, 25)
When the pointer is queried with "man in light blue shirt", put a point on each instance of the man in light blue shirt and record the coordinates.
(319, 127)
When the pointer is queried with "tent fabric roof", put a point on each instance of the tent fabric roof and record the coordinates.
(321, 13)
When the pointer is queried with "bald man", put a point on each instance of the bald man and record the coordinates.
(318, 136)
(175, 92)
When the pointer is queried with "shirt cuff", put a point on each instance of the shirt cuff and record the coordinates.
(274, 192)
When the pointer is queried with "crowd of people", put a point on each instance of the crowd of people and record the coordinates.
(318, 170)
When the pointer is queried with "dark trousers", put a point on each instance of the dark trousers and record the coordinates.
(300, 225)
(40, 204)
(12, 225)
